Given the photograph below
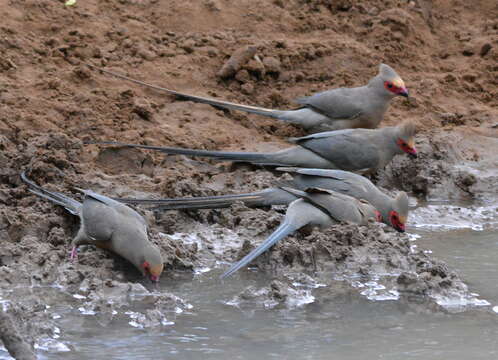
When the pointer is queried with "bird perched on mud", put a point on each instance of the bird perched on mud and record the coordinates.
(110, 225)
(314, 207)
(336, 109)
(393, 211)
(362, 150)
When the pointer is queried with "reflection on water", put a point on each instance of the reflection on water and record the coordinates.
(340, 324)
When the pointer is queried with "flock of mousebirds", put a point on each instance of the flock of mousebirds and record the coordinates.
(326, 189)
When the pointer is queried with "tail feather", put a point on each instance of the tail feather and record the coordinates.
(199, 99)
(205, 202)
(69, 204)
(268, 197)
(251, 157)
(282, 231)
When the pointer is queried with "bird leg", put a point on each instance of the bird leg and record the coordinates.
(74, 254)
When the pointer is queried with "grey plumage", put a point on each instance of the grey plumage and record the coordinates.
(344, 182)
(108, 224)
(341, 108)
(316, 207)
(363, 150)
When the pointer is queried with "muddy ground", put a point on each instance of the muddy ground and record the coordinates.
(50, 103)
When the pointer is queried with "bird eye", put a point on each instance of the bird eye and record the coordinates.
(402, 143)
(389, 85)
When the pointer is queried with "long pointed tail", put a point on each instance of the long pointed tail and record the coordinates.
(256, 158)
(273, 196)
(199, 99)
(69, 204)
(282, 231)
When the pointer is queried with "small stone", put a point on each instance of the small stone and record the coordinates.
(247, 88)
(286, 76)
(143, 109)
(243, 76)
(236, 61)
(485, 49)
(468, 50)
(450, 78)
(188, 46)
(344, 5)
(272, 65)
(256, 68)
(279, 3)
(469, 77)
(146, 54)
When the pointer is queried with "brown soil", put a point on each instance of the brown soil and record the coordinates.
(50, 102)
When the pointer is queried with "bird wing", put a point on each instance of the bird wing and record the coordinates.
(103, 215)
(339, 207)
(338, 175)
(341, 103)
(346, 149)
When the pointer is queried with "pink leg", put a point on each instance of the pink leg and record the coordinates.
(74, 254)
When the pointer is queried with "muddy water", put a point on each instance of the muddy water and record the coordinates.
(317, 323)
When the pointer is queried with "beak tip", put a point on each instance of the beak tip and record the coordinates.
(404, 93)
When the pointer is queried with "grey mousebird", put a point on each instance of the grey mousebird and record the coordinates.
(362, 150)
(110, 225)
(394, 211)
(336, 109)
(316, 207)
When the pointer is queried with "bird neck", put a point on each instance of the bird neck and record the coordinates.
(385, 205)
(391, 135)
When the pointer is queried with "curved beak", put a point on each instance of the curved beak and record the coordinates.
(403, 92)
(410, 149)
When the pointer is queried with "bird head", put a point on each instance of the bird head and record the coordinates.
(405, 138)
(392, 82)
(152, 265)
(399, 214)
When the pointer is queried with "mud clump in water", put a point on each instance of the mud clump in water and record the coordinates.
(349, 251)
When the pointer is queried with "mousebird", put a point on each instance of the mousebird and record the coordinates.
(315, 206)
(335, 109)
(362, 150)
(108, 224)
(393, 210)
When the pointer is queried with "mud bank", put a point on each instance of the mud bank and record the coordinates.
(453, 163)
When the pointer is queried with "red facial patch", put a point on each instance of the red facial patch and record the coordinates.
(145, 265)
(394, 219)
(378, 216)
(407, 149)
(389, 86)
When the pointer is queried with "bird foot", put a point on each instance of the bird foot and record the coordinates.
(74, 254)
